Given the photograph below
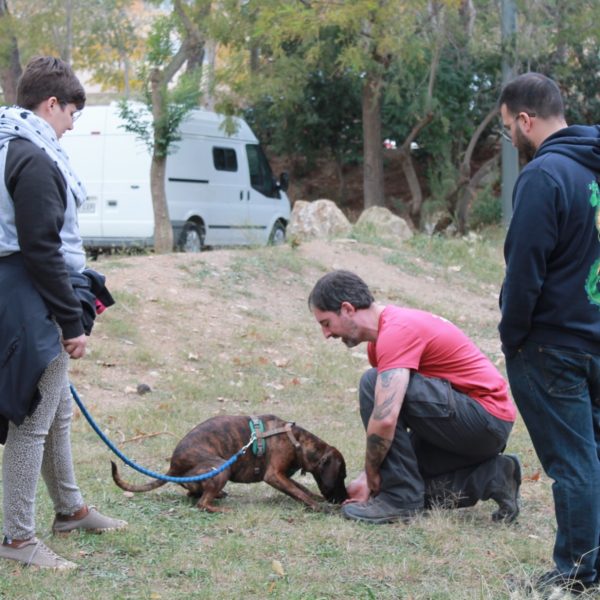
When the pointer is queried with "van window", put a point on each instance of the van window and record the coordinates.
(261, 176)
(225, 159)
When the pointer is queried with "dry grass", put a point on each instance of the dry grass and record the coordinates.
(229, 332)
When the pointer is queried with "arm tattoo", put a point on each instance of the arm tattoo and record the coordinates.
(381, 411)
(386, 401)
(386, 377)
(377, 449)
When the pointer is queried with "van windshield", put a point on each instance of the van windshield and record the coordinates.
(261, 176)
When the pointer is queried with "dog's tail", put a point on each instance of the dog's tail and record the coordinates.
(146, 487)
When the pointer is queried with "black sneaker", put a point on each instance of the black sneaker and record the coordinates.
(378, 511)
(552, 583)
(507, 496)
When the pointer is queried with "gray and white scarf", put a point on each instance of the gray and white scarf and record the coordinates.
(16, 122)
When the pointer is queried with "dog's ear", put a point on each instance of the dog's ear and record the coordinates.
(325, 460)
(330, 466)
(331, 475)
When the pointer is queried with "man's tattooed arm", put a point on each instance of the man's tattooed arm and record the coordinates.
(389, 395)
(377, 449)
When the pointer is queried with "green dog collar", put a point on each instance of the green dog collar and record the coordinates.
(256, 428)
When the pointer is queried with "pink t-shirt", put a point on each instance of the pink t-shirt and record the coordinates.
(434, 347)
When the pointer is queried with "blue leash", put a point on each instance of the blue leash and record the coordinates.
(140, 469)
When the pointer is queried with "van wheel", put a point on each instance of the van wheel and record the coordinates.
(192, 237)
(277, 237)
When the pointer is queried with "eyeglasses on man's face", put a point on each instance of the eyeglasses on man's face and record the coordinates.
(506, 128)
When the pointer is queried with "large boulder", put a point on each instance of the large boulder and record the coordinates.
(318, 219)
(384, 223)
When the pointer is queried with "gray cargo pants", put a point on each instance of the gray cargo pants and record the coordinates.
(445, 448)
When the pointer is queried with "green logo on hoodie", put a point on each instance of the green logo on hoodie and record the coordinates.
(592, 284)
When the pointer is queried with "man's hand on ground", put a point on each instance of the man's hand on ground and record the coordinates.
(358, 490)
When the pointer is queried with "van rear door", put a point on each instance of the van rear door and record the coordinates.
(127, 206)
(84, 146)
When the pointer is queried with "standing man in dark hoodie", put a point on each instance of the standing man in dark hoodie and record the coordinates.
(550, 326)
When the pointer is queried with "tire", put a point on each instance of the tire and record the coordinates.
(192, 237)
(277, 237)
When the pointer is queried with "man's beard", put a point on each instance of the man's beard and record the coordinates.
(350, 342)
(525, 147)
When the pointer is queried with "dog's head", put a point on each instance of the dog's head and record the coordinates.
(330, 474)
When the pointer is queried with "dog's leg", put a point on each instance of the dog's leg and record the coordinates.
(213, 488)
(292, 488)
(316, 497)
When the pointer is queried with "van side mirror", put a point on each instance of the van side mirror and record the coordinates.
(284, 181)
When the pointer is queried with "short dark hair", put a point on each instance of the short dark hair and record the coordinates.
(337, 287)
(47, 76)
(534, 94)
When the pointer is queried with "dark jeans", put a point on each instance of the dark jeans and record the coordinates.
(557, 391)
(445, 449)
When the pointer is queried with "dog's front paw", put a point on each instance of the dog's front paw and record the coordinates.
(327, 508)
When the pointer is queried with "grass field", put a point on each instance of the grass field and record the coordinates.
(228, 332)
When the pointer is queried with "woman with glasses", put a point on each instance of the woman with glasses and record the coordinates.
(41, 325)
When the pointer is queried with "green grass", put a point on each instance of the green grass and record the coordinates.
(477, 261)
(272, 358)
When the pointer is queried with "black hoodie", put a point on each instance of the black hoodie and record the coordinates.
(551, 290)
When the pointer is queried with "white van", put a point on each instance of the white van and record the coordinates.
(220, 189)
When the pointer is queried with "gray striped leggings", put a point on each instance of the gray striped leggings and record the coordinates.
(42, 443)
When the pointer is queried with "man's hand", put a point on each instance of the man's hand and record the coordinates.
(75, 347)
(374, 482)
(358, 490)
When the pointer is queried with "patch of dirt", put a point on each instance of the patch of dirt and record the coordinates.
(174, 310)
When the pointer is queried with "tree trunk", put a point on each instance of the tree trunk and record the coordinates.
(339, 168)
(414, 185)
(68, 41)
(465, 201)
(124, 58)
(373, 149)
(408, 167)
(163, 231)
(159, 80)
(459, 198)
(10, 65)
(207, 81)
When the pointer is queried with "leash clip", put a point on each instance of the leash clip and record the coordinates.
(251, 441)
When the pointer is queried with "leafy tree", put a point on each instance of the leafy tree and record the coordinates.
(457, 107)
(562, 40)
(174, 40)
(99, 36)
(371, 37)
(10, 66)
(110, 46)
(47, 26)
(321, 118)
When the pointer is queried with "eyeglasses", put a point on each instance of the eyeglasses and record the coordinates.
(74, 115)
(506, 129)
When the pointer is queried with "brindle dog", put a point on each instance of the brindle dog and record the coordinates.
(289, 450)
